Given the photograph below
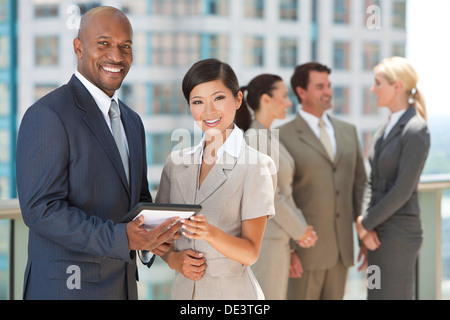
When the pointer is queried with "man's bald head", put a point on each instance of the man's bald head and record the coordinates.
(104, 47)
(109, 13)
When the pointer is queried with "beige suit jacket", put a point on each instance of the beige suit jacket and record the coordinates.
(329, 193)
(235, 189)
(289, 222)
(272, 267)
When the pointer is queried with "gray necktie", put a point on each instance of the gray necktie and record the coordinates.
(325, 139)
(114, 115)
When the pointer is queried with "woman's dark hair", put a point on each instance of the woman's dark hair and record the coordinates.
(262, 84)
(209, 70)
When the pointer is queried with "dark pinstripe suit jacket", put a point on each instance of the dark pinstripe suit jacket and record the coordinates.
(72, 191)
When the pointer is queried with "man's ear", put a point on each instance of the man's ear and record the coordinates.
(300, 92)
(78, 47)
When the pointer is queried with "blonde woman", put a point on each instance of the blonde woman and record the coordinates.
(391, 226)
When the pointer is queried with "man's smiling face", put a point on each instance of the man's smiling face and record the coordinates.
(104, 50)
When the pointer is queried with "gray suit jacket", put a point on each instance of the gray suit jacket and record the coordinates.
(72, 191)
(397, 164)
(329, 193)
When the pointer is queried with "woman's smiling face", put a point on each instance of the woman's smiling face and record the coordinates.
(213, 107)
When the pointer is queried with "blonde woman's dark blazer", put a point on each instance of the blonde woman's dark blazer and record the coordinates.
(396, 165)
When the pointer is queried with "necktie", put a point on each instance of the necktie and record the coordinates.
(114, 115)
(325, 139)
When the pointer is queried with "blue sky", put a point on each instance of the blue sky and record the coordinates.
(428, 49)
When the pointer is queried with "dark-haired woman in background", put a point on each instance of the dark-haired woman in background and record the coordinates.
(266, 97)
(213, 257)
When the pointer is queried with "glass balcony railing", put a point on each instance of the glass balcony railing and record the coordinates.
(433, 268)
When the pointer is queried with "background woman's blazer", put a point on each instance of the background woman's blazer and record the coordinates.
(272, 267)
(72, 190)
(394, 211)
(235, 189)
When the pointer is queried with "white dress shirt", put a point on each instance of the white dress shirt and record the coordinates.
(393, 119)
(103, 102)
(232, 146)
(313, 123)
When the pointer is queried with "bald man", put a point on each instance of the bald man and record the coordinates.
(80, 170)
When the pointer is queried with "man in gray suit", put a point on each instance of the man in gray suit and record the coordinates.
(328, 185)
(79, 173)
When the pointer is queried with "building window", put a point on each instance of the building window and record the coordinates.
(254, 51)
(398, 49)
(217, 7)
(41, 90)
(341, 98)
(4, 52)
(4, 99)
(399, 14)
(215, 46)
(254, 8)
(188, 7)
(5, 146)
(371, 55)
(135, 6)
(47, 49)
(159, 147)
(341, 55)
(46, 8)
(341, 11)
(4, 194)
(369, 102)
(4, 10)
(136, 96)
(288, 53)
(140, 49)
(167, 98)
(169, 49)
(288, 9)
(86, 5)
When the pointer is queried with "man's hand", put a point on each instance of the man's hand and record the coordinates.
(156, 240)
(308, 239)
(295, 268)
(190, 263)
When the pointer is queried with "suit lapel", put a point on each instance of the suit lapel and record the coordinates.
(215, 178)
(95, 121)
(398, 128)
(308, 136)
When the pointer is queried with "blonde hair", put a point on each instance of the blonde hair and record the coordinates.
(400, 69)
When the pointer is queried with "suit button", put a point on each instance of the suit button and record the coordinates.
(337, 192)
(337, 215)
